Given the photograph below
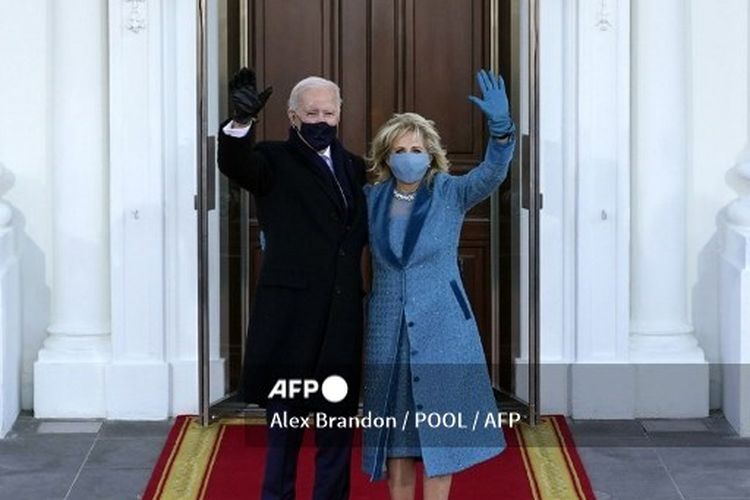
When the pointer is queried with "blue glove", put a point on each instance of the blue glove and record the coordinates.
(495, 103)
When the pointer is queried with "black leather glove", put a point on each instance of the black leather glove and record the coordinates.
(245, 98)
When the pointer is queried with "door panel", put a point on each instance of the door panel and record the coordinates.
(446, 37)
(392, 57)
(407, 55)
(287, 41)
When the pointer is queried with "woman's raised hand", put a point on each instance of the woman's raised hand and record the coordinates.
(494, 103)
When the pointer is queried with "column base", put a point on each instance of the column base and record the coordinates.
(137, 391)
(734, 293)
(671, 372)
(602, 391)
(69, 389)
(69, 373)
(671, 390)
(736, 407)
(639, 390)
(669, 343)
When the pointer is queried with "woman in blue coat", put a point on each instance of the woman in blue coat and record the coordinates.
(424, 363)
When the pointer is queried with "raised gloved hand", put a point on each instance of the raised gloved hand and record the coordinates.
(494, 104)
(245, 98)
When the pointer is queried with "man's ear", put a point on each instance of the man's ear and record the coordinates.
(292, 115)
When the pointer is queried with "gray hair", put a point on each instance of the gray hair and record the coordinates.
(309, 83)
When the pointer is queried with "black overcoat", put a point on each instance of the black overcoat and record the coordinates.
(307, 313)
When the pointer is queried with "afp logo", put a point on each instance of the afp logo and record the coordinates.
(334, 388)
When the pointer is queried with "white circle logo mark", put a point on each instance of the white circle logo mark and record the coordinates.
(335, 388)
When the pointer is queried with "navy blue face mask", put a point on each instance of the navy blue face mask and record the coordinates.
(318, 135)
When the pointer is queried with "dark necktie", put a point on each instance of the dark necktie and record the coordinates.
(329, 162)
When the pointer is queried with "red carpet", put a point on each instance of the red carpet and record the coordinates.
(224, 461)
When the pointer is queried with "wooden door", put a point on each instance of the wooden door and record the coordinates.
(391, 56)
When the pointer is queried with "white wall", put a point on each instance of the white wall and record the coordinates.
(717, 128)
(25, 93)
(24, 120)
(718, 83)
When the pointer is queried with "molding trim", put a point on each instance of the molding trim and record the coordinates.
(603, 182)
(604, 21)
(135, 18)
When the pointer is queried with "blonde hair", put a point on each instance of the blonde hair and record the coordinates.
(398, 125)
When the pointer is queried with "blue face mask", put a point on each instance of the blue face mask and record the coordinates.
(409, 167)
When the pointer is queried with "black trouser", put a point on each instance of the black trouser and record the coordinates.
(332, 459)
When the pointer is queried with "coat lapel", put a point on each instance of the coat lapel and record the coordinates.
(318, 166)
(381, 209)
(416, 221)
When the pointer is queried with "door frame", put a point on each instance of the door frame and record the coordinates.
(529, 147)
(532, 162)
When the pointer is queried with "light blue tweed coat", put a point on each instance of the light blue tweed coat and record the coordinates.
(424, 288)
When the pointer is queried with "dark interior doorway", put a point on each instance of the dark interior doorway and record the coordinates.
(388, 56)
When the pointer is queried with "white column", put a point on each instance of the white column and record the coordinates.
(69, 372)
(734, 290)
(672, 376)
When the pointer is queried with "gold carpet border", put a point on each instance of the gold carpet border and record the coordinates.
(549, 461)
(243, 421)
(526, 465)
(212, 461)
(170, 460)
(571, 464)
(195, 452)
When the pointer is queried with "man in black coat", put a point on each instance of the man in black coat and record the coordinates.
(307, 314)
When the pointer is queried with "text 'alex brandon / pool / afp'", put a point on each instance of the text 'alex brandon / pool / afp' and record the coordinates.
(448, 420)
